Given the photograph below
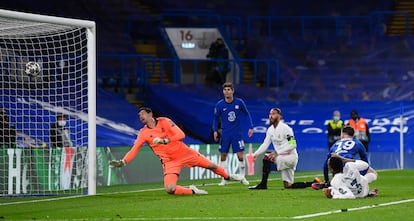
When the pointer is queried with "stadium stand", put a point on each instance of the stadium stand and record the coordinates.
(320, 61)
(309, 57)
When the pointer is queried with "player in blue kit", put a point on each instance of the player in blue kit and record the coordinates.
(347, 147)
(229, 113)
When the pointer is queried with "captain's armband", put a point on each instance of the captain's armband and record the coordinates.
(291, 140)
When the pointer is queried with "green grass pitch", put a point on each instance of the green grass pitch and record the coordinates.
(232, 202)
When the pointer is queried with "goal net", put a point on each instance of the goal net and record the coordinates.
(47, 113)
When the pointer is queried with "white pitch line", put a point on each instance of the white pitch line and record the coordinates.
(43, 200)
(352, 209)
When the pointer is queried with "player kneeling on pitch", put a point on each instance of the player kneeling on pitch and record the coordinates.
(347, 182)
(165, 139)
(285, 155)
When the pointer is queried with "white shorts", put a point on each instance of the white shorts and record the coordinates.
(342, 192)
(286, 164)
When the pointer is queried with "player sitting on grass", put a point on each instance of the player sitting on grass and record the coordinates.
(165, 139)
(347, 147)
(347, 182)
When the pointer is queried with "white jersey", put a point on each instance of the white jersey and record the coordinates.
(279, 136)
(349, 184)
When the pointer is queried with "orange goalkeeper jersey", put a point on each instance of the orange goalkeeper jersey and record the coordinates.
(165, 128)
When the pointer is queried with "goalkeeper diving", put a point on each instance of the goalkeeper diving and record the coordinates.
(165, 139)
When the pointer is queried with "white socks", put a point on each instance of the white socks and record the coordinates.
(224, 165)
(371, 177)
(240, 165)
(242, 168)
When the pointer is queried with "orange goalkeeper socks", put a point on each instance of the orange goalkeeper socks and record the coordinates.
(179, 190)
(220, 171)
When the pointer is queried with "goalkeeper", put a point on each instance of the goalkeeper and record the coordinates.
(165, 139)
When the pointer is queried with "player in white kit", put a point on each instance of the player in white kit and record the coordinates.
(347, 182)
(285, 155)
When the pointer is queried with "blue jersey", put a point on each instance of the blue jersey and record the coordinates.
(347, 148)
(230, 116)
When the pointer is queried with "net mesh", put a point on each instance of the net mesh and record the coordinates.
(32, 97)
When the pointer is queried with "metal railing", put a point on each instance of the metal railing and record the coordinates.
(373, 22)
(132, 70)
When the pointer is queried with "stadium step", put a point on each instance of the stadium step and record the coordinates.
(398, 23)
(150, 49)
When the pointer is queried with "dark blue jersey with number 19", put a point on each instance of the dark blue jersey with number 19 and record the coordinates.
(350, 148)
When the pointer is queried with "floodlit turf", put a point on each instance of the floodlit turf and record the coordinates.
(232, 202)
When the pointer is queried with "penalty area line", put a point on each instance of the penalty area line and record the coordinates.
(352, 209)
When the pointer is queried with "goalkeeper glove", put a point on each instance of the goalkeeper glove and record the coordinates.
(158, 140)
(117, 163)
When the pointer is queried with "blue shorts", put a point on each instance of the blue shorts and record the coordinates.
(236, 143)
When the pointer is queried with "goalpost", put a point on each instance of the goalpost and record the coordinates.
(48, 68)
